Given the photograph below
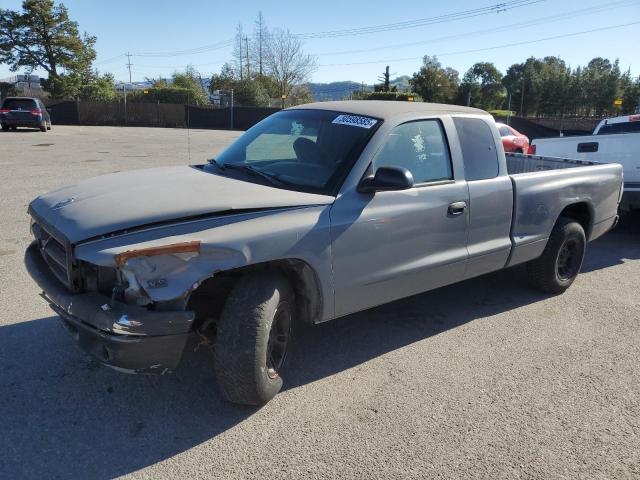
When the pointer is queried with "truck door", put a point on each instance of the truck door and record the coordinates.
(490, 195)
(393, 244)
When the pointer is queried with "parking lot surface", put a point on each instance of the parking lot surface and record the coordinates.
(484, 379)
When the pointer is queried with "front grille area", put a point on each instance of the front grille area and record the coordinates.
(54, 253)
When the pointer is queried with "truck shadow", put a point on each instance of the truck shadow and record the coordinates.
(616, 247)
(62, 415)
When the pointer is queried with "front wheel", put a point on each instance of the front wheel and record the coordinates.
(558, 266)
(253, 338)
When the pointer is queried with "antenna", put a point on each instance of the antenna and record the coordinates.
(188, 130)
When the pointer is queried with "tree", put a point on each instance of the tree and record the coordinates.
(98, 88)
(238, 53)
(190, 80)
(384, 79)
(434, 83)
(260, 37)
(245, 92)
(287, 64)
(481, 87)
(43, 36)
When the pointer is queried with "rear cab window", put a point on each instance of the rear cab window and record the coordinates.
(620, 127)
(478, 148)
(19, 104)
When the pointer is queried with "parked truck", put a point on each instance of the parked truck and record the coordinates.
(615, 140)
(317, 212)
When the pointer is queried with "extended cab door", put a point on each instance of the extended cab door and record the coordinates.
(393, 244)
(490, 194)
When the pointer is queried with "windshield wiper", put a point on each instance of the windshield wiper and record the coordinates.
(272, 179)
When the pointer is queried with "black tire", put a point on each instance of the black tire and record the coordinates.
(558, 266)
(5, 128)
(256, 320)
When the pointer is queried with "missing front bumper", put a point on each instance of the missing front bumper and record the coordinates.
(121, 336)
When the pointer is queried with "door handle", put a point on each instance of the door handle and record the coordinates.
(457, 208)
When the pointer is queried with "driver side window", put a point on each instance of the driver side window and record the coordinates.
(421, 148)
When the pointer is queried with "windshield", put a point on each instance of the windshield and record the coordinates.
(307, 150)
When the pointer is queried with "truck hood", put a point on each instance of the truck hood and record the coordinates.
(126, 200)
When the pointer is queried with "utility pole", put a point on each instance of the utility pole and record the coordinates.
(524, 72)
(246, 43)
(124, 89)
(129, 64)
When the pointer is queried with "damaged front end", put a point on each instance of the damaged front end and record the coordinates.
(107, 310)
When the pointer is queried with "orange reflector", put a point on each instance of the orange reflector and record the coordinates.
(184, 247)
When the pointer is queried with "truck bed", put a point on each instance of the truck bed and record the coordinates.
(543, 186)
(520, 163)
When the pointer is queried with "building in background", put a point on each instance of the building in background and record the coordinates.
(24, 85)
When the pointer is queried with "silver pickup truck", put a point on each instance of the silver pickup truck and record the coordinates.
(316, 212)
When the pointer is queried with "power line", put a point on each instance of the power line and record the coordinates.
(450, 17)
(191, 51)
(110, 60)
(461, 15)
(496, 47)
(528, 23)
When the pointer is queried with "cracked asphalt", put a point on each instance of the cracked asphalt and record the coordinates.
(484, 379)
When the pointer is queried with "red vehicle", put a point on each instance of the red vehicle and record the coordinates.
(513, 140)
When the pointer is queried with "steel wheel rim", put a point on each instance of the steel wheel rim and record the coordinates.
(567, 263)
(279, 336)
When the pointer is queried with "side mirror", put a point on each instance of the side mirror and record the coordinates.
(386, 179)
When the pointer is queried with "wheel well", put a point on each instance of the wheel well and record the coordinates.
(208, 299)
(582, 213)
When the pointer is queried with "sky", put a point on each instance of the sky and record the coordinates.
(366, 36)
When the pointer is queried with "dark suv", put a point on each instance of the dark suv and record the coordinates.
(24, 112)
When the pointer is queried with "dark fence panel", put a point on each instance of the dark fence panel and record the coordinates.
(149, 114)
(64, 113)
(220, 118)
(246, 117)
(207, 117)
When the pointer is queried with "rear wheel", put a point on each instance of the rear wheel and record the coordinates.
(5, 128)
(558, 266)
(253, 338)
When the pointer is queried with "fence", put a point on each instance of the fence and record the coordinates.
(156, 115)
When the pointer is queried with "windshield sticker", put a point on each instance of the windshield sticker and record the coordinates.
(296, 128)
(355, 121)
